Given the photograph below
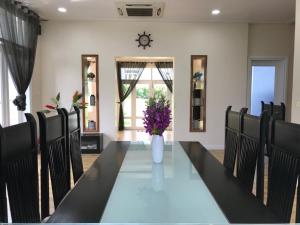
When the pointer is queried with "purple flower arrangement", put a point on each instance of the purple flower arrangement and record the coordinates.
(157, 115)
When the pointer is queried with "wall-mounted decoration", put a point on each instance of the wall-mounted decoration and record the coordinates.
(198, 93)
(144, 40)
(91, 76)
(92, 100)
(90, 93)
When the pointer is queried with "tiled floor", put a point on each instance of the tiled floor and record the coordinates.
(87, 160)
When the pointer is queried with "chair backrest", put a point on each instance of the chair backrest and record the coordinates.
(267, 107)
(279, 111)
(275, 111)
(73, 140)
(20, 170)
(232, 133)
(284, 170)
(251, 152)
(55, 156)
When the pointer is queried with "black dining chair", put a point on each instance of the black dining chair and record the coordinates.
(3, 204)
(73, 140)
(267, 107)
(279, 111)
(3, 200)
(232, 134)
(284, 169)
(275, 111)
(19, 167)
(251, 153)
(56, 157)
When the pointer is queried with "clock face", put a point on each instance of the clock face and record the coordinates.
(144, 40)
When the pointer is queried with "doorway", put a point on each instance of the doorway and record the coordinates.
(267, 82)
(150, 83)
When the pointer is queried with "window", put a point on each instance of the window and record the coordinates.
(9, 114)
(149, 84)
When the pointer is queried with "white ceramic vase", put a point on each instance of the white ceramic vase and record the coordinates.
(157, 146)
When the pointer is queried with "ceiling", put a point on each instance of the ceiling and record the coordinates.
(256, 11)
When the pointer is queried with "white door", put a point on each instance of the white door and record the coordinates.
(267, 83)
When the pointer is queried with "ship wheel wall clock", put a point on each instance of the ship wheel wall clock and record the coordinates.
(144, 40)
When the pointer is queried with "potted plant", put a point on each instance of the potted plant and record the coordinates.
(55, 104)
(157, 118)
(75, 101)
(77, 96)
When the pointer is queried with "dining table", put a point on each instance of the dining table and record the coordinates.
(190, 185)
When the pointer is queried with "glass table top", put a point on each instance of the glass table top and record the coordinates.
(170, 192)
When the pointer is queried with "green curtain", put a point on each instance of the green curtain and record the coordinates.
(128, 74)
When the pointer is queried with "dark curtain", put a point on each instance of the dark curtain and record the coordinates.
(19, 29)
(166, 71)
(128, 74)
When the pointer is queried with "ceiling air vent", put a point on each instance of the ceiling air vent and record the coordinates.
(140, 9)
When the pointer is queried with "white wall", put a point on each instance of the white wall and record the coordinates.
(296, 77)
(62, 44)
(274, 41)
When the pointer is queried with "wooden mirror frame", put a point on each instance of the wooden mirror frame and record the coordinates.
(97, 119)
(202, 99)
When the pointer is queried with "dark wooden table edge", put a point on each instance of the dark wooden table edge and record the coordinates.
(116, 150)
(257, 212)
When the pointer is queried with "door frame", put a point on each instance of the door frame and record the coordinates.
(283, 66)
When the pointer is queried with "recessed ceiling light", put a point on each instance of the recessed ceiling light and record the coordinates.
(62, 9)
(215, 12)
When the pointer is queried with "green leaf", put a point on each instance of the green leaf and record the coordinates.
(58, 96)
(79, 96)
(55, 101)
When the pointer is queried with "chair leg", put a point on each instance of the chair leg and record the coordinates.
(260, 175)
(44, 186)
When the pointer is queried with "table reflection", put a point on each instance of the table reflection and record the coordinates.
(145, 192)
(158, 177)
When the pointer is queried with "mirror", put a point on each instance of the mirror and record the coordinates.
(198, 93)
(90, 93)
